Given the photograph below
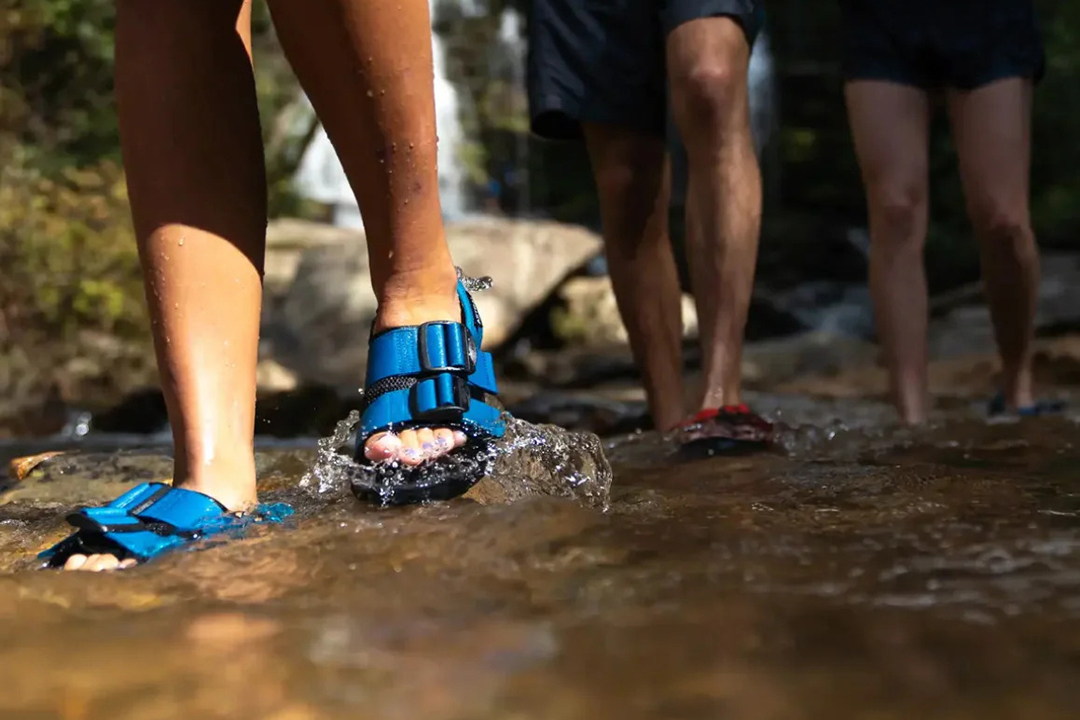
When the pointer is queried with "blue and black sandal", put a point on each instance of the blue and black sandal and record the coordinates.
(434, 375)
(151, 519)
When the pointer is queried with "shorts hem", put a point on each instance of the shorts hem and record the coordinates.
(751, 23)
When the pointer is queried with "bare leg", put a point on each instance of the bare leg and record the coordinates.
(193, 155)
(631, 176)
(890, 126)
(367, 67)
(707, 63)
(992, 127)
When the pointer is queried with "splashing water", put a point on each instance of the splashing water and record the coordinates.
(528, 460)
(472, 284)
(332, 468)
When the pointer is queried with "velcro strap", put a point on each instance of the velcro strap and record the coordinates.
(439, 396)
(397, 409)
(434, 347)
(153, 507)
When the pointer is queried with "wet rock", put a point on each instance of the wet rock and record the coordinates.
(589, 411)
(318, 327)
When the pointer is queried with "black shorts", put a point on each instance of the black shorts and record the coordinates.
(602, 61)
(962, 44)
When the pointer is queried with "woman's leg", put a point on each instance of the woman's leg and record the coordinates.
(367, 67)
(193, 155)
(992, 129)
(890, 124)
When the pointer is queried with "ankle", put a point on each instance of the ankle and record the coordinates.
(229, 481)
(418, 297)
(1018, 396)
(720, 398)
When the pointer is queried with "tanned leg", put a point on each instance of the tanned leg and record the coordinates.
(992, 129)
(367, 67)
(707, 66)
(631, 175)
(193, 155)
(890, 126)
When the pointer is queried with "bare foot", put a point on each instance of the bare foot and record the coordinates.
(412, 447)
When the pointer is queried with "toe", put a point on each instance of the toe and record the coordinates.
(445, 440)
(426, 438)
(97, 563)
(384, 446)
(410, 453)
(75, 562)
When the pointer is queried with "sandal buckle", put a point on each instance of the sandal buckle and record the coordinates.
(446, 396)
(453, 339)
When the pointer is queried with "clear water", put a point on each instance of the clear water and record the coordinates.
(861, 570)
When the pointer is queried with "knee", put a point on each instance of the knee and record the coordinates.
(1002, 226)
(709, 93)
(897, 217)
(630, 197)
(631, 184)
(627, 182)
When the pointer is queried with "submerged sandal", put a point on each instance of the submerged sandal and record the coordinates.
(729, 430)
(151, 519)
(434, 375)
(997, 407)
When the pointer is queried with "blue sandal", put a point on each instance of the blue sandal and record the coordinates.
(433, 375)
(997, 407)
(151, 519)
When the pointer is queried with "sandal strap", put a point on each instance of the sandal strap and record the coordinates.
(431, 374)
(444, 400)
(143, 522)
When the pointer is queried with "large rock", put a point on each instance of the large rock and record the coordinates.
(317, 321)
(816, 353)
(590, 316)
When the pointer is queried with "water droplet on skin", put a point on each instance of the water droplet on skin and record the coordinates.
(410, 146)
(176, 306)
(370, 93)
(381, 93)
(181, 241)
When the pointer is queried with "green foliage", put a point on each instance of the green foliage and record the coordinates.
(69, 266)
